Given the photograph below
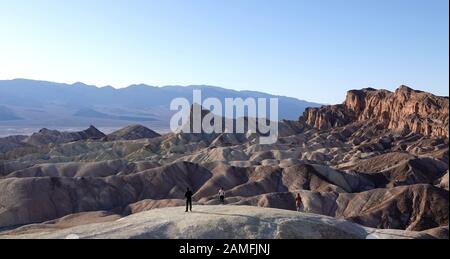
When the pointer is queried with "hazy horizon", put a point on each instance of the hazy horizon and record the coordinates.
(223, 87)
(158, 86)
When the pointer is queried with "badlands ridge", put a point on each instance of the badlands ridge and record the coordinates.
(377, 161)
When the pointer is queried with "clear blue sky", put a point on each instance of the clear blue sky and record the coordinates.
(309, 49)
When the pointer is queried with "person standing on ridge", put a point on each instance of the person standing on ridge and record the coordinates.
(222, 195)
(188, 196)
(299, 203)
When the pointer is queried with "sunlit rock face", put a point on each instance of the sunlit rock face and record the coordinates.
(405, 110)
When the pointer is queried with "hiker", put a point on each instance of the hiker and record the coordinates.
(188, 196)
(222, 195)
(299, 203)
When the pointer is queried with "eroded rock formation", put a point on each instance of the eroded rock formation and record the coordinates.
(379, 160)
(405, 109)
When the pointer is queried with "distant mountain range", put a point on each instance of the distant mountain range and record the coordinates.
(36, 104)
(7, 114)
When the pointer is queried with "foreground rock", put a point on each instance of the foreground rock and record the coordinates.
(214, 222)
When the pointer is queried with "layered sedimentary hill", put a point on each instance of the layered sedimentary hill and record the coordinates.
(10, 143)
(405, 109)
(132, 132)
(360, 161)
(46, 136)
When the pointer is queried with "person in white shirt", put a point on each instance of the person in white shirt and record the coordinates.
(222, 195)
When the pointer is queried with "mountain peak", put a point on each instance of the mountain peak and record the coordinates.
(79, 84)
(406, 89)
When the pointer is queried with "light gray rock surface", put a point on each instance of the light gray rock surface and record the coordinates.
(216, 222)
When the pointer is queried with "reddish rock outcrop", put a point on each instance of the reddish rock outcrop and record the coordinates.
(405, 109)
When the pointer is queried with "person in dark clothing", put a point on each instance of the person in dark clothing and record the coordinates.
(188, 196)
(222, 195)
(299, 203)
